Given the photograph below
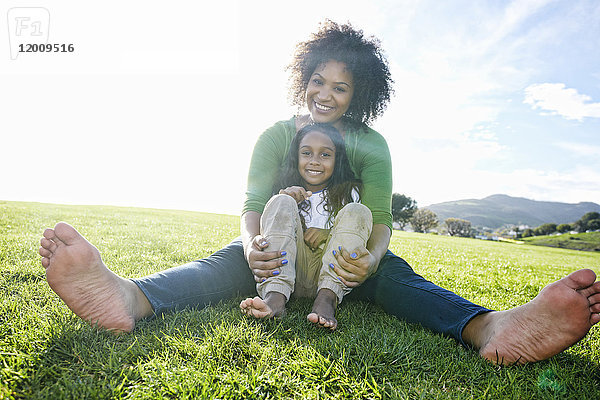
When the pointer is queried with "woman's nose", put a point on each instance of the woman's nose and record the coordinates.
(323, 94)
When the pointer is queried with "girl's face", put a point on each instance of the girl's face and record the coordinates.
(316, 160)
(329, 92)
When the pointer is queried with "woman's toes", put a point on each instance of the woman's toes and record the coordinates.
(48, 244)
(45, 252)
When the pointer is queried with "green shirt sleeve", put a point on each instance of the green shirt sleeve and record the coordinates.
(369, 158)
(267, 159)
(371, 161)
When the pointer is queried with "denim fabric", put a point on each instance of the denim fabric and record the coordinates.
(395, 287)
(410, 297)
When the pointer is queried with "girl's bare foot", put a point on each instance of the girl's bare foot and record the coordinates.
(323, 311)
(272, 306)
(75, 271)
(558, 317)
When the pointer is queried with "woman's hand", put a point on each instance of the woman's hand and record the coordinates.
(314, 237)
(297, 192)
(355, 267)
(263, 264)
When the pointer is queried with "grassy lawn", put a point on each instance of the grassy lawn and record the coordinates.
(589, 241)
(47, 352)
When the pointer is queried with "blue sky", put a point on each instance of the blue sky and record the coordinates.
(160, 104)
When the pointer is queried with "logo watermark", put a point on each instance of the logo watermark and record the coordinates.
(27, 27)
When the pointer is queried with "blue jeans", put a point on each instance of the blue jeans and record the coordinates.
(395, 287)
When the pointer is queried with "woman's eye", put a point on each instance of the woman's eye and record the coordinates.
(317, 81)
(340, 89)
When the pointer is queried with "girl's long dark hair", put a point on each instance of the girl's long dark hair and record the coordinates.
(342, 181)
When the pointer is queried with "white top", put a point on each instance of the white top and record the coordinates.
(316, 216)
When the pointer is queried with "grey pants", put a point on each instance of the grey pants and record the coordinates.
(307, 270)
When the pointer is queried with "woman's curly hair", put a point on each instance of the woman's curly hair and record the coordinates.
(362, 56)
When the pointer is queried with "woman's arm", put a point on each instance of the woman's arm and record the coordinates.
(262, 263)
(359, 264)
(369, 154)
(266, 160)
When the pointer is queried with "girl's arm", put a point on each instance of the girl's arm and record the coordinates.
(313, 237)
(298, 193)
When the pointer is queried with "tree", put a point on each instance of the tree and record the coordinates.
(458, 227)
(593, 224)
(582, 223)
(527, 233)
(403, 208)
(545, 229)
(564, 228)
(423, 220)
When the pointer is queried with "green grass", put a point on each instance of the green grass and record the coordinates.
(589, 241)
(47, 352)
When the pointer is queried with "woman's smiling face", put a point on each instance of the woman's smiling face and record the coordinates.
(329, 92)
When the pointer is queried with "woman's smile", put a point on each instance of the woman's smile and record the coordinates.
(329, 92)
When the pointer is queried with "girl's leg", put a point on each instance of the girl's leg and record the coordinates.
(410, 297)
(279, 224)
(351, 230)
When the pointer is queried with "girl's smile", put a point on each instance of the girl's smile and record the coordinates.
(316, 160)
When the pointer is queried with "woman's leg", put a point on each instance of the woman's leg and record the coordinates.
(280, 225)
(222, 275)
(75, 271)
(351, 230)
(410, 297)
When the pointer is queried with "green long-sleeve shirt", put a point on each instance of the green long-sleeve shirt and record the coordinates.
(369, 158)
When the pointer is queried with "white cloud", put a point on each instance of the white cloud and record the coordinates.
(574, 186)
(557, 99)
(162, 114)
(585, 150)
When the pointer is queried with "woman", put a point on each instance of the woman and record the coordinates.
(343, 79)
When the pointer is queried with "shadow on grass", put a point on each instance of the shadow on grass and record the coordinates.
(217, 352)
(17, 278)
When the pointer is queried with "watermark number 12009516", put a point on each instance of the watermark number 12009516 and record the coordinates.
(29, 31)
(46, 48)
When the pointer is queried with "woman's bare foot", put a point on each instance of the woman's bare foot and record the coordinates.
(273, 306)
(75, 271)
(558, 317)
(323, 311)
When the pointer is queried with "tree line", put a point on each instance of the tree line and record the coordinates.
(589, 222)
(405, 211)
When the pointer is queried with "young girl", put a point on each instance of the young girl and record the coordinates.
(315, 215)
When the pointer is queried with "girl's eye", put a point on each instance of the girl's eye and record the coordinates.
(340, 89)
(317, 81)
(305, 153)
(325, 155)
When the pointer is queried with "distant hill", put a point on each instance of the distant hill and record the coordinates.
(499, 209)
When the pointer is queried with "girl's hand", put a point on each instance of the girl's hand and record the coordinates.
(355, 267)
(263, 264)
(314, 237)
(297, 192)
